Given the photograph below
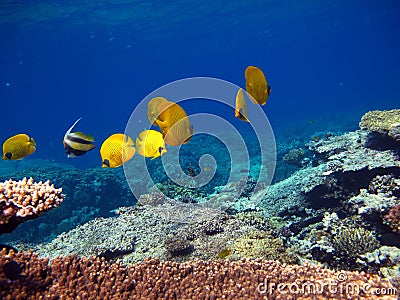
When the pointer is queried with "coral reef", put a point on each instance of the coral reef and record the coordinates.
(392, 218)
(72, 277)
(161, 231)
(339, 242)
(178, 246)
(257, 244)
(342, 166)
(352, 241)
(88, 195)
(294, 157)
(24, 200)
(387, 122)
(341, 210)
(351, 152)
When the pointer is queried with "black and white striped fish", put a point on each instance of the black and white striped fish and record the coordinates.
(77, 143)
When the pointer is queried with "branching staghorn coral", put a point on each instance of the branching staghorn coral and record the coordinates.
(352, 241)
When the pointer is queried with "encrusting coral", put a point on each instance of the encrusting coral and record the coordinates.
(73, 277)
(387, 122)
(24, 200)
(294, 157)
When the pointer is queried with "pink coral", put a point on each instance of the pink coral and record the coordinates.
(392, 218)
(73, 277)
(25, 199)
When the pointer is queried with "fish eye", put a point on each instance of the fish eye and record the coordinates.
(106, 162)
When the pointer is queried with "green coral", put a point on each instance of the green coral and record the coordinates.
(353, 241)
(256, 244)
(380, 121)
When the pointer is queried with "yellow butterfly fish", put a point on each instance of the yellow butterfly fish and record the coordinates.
(150, 143)
(116, 150)
(172, 120)
(18, 147)
(257, 85)
(241, 107)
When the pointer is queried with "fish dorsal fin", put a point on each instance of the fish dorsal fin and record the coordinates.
(83, 136)
(72, 127)
(90, 137)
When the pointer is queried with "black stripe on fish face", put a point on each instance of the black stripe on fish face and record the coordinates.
(8, 155)
(78, 140)
(106, 162)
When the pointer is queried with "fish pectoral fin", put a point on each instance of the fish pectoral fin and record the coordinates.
(239, 114)
(161, 123)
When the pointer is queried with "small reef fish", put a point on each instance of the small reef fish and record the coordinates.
(316, 138)
(224, 253)
(18, 147)
(150, 143)
(116, 150)
(172, 120)
(241, 108)
(191, 171)
(257, 85)
(152, 109)
(77, 143)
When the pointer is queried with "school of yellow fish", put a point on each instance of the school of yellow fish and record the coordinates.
(174, 124)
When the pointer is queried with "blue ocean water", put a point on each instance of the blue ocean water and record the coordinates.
(298, 183)
(325, 60)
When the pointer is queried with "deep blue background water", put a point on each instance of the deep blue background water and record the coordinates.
(325, 60)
